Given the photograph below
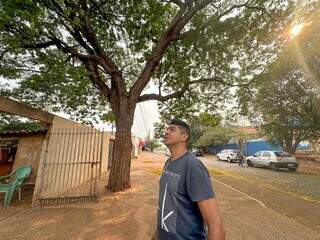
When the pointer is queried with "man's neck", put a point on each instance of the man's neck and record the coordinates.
(177, 151)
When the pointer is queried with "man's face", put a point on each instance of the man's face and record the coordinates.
(174, 135)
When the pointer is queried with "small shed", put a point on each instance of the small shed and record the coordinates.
(20, 148)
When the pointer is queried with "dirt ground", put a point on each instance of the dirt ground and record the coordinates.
(311, 167)
(125, 215)
(132, 214)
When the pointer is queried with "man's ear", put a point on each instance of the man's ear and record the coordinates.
(184, 137)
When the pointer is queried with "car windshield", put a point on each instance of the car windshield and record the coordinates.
(282, 154)
(257, 154)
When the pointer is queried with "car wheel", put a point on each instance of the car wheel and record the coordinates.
(292, 169)
(229, 160)
(218, 158)
(249, 163)
(273, 167)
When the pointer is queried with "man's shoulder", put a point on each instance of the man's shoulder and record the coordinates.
(191, 159)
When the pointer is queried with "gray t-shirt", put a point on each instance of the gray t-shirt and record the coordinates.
(184, 182)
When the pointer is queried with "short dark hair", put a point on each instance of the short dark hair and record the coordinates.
(183, 125)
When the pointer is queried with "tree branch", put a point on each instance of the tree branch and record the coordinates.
(217, 18)
(108, 64)
(179, 93)
(183, 16)
(40, 44)
(3, 53)
(94, 76)
(96, 53)
(21, 69)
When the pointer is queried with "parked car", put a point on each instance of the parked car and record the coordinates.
(230, 155)
(197, 152)
(274, 160)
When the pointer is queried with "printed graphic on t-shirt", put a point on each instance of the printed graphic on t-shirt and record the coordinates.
(168, 201)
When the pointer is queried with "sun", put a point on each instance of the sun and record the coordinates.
(296, 29)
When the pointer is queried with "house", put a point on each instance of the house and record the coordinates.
(67, 158)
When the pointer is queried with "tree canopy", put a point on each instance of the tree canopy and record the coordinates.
(287, 109)
(287, 103)
(48, 45)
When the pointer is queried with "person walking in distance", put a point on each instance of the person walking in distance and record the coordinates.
(240, 158)
(188, 208)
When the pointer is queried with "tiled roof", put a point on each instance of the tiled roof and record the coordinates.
(23, 132)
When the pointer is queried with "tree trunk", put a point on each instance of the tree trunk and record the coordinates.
(314, 145)
(119, 178)
(295, 146)
(288, 143)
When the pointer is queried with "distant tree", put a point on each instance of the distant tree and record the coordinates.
(299, 52)
(287, 109)
(154, 143)
(286, 103)
(216, 135)
(222, 134)
(242, 136)
(15, 123)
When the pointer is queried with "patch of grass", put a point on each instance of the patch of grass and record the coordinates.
(155, 171)
(216, 172)
(219, 172)
(147, 161)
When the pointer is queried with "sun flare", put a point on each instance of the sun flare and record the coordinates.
(296, 29)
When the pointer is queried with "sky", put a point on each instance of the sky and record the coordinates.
(146, 114)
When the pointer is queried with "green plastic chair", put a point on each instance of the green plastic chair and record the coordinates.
(14, 181)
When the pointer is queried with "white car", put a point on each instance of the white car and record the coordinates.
(230, 155)
(274, 160)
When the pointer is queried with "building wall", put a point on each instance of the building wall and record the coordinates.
(28, 153)
(60, 123)
(255, 146)
(135, 147)
(105, 152)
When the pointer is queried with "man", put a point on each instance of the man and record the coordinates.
(186, 199)
(240, 157)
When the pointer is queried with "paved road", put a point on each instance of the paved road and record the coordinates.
(305, 185)
(248, 219)
(295, 195)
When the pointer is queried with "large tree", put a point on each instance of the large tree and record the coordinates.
(287, 103)
(87, 57)
(287, 109)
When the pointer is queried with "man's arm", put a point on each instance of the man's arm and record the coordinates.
(210, 213)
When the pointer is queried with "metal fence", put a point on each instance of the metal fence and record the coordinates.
(71, 166)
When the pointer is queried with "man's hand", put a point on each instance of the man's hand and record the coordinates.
(210, 213)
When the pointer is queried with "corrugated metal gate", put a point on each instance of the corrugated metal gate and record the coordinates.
(71, 166)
